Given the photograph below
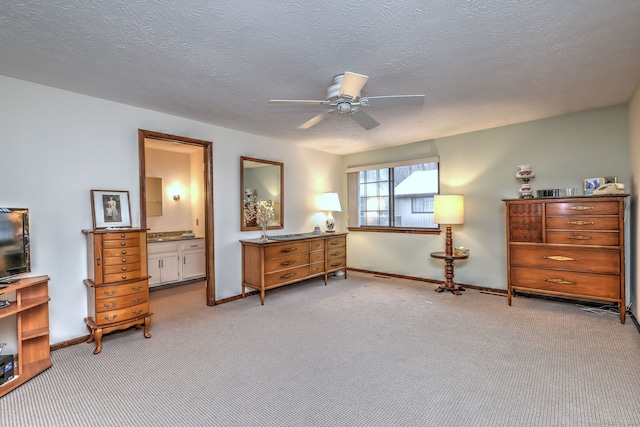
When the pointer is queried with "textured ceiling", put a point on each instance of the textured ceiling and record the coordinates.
(480, 63)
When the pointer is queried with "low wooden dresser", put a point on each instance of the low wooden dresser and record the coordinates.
(568, 247)
(118, 284)
(290, 259)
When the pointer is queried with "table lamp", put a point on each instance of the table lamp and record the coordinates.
(448, 210)
(331, 203)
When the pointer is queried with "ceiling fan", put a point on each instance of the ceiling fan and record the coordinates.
(343, 96)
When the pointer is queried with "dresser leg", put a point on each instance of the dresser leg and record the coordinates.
(262, 296)
(147, 323)
(97, 334)
(623, 312)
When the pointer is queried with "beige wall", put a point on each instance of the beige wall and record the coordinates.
(562, 150)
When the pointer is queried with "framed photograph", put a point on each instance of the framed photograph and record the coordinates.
(591, 184)
(610, 179)
(110, 209)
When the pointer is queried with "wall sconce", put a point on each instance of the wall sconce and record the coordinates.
(176, 197)
(331, 203)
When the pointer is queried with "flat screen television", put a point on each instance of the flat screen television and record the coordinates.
(15, 257)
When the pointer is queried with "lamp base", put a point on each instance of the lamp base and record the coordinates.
(330, 223)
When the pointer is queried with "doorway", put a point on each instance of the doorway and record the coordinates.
(145, 136)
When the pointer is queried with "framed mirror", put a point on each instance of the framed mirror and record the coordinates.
(261, 183)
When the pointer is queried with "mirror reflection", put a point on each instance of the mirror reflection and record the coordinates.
(262, 194)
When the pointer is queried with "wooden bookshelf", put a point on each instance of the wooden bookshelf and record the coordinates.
(31, 309)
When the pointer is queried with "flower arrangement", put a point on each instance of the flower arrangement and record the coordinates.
(262, 211)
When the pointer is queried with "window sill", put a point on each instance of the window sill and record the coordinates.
(397, 230)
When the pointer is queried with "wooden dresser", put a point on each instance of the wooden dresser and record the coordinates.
(275, 263)
(118, 284)
(569, 247)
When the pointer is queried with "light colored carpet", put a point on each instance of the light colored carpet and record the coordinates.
(365, 351)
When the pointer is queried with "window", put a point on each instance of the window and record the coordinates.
(393, 196)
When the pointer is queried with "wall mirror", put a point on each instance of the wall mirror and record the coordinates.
(154, 196)
(261, 181)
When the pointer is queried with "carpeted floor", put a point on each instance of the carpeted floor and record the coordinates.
(366, 351)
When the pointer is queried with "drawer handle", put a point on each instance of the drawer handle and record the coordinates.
(108, 319)
(560, 281)
(287, 262)
(558, 258)
(136, 311)
(112, 305)
(98, 260)
(124, 268)
(124, 252)
(580, 237)
(123, 243)
(335, 243)
(136, 288)
(110, 293)
(122, 235)
(580, 222)
(289, 250)
(336, 253)
(139, 299)
(336, 264)
(580, 208)
(288, 276)
(124, 276)
(124, 260)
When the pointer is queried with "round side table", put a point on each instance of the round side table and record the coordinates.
(448, 284)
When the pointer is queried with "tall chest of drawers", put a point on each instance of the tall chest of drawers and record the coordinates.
(118, 283)
(271, 264)
(569, 247)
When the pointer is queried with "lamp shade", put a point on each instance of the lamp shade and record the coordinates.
(330, 202)
(448, 209)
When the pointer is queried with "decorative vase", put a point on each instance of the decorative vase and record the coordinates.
(525, 174)
(265, 227)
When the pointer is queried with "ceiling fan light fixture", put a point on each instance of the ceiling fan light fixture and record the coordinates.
(344, 107)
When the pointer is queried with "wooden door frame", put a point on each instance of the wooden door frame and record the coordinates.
(208, 190)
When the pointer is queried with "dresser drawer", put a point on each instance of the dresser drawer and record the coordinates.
(112, 291)
(122, 259)
(336, 263)
(120, 251)
(286, 276)
(580, 259)
(334, 253)
(122, 268)
(602, 238)
(279, 264)
(316, 256)
(316, 245)
(125, 301)
(583, 223)
(585, 207)
(122, 243)
(122, 315)
(566, 282)
(316, 268)
(334, 242)
(286, 249)
(124, 275)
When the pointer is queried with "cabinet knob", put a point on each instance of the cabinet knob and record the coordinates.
(124, 268)
(124, 260)
(98, 260)
(124, 252)
(123, 243)
(122, 235)
(124, 276)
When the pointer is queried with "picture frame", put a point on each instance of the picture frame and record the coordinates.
(591, 184)
(110, 209)
(610, 179)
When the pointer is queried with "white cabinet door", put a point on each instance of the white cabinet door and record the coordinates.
(170, 268)
(193, 264)
(153, 265)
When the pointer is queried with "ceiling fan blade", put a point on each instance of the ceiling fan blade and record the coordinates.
(394, 101)
(363, 119)
(352, 84)
(298, 101)
(317, 119)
